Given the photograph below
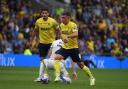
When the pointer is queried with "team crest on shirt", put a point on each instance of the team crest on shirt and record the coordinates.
(45, 26)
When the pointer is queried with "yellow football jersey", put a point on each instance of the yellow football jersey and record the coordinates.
(68, 30)
(46, 30)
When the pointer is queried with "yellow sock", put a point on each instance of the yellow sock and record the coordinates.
(87, 71)
(57, 68)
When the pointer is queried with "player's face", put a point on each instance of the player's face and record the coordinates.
(65, 19)
(44, 14)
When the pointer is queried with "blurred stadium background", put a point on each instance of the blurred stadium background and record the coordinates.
(103, 40)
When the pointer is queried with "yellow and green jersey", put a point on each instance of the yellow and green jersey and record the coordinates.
(68, 29)
(46, 30)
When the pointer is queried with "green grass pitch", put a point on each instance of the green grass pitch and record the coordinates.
(22, 78)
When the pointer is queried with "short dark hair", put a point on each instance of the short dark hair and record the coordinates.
(67, 14)
(45, 9)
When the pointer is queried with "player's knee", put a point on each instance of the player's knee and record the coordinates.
(45, 61)
(58, 57)
(42, 58)
(80, 64)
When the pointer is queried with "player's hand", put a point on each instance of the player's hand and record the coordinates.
(34, 43)
(31, 48)
(65, 40)
(74, 76)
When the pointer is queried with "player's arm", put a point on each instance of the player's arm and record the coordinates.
(73, 35)
(58, 32)
(34, 36)
(74, 32)
(35, 33)
(50, 50)
(74, 75)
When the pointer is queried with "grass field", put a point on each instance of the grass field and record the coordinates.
(22, 78)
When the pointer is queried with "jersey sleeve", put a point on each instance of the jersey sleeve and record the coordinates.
(55, 25)
(36, 25)
(74, 28)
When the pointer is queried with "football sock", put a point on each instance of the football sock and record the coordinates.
(87, 71)
(45, 68)
(63, 70)
(57, 68)
(41, 69)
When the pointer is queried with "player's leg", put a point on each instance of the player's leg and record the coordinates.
(57, 67)
(38, 79)
(43, 50)
(46, 63)
(64, 74)
(42, 75)
(63, 70)
(61, 54)
(41, 72)
(50, 63)
(87, 72)
(76, 58)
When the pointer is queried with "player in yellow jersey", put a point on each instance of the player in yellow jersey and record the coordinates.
(69, 34)
(45, 30)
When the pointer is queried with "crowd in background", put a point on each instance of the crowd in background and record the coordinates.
(16, 23)
(103, 25)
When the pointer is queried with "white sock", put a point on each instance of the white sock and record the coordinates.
(63, 70)
(41, 70)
